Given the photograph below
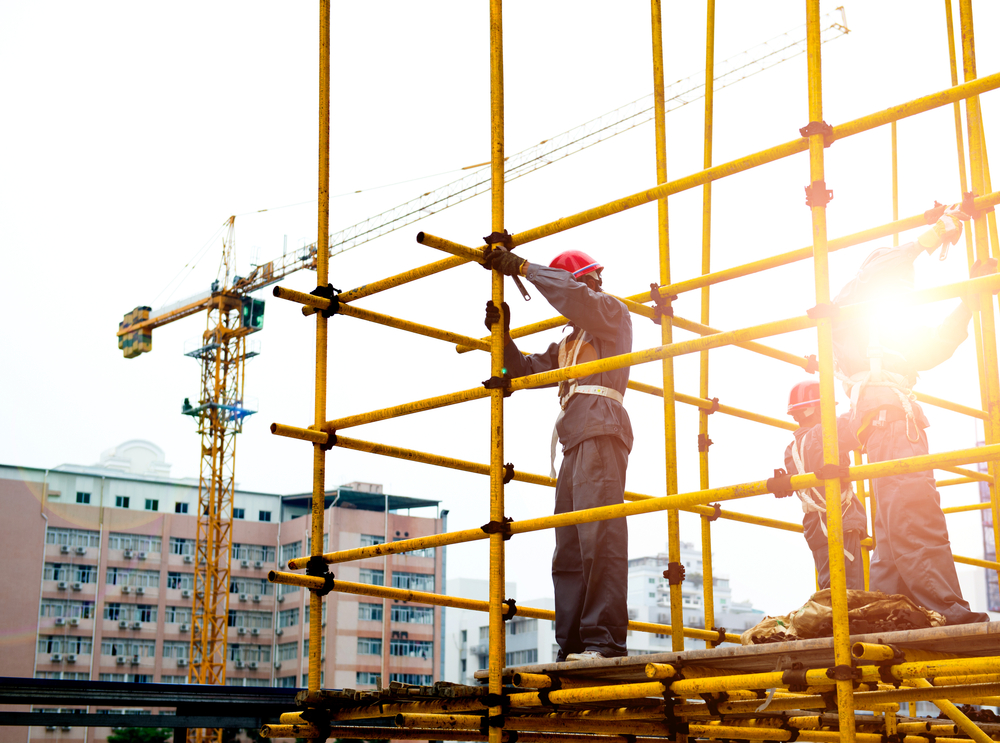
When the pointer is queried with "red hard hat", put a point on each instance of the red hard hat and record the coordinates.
(576, 262)
(803, 395)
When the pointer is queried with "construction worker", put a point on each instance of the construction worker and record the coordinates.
(805, 454)
(878, 361)
(590, 563)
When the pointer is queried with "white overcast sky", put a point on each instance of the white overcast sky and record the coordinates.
(131, 131)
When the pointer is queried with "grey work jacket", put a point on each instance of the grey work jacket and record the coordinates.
(604, 323)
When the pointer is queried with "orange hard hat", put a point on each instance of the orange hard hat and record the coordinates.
(576, 262)
(803, 395)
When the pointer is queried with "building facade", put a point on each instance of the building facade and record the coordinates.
(102, 562)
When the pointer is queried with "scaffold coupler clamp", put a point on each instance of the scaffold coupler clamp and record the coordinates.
(840, 472)
(844, 673)
(674, 573)
(885, 667)
(675, 725)
(969, 206)
(328, 292)
(499, 383)
(543, 694)
(317, 567)
(661, 304)
(718, 512)
(720, 630)
(714, 408)
(508, 473)
(795, 678)
(818, 127)
(780, 484)
(499, 527)
(812, 364)
(817, 194)
(511, 610)
(331, 440)
(704, 442)
(506, 242)
(318, 718)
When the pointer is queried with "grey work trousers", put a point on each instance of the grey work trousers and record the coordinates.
(854, 530)
(590, 562)
(912, 552)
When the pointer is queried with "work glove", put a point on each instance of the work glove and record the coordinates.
(493, 317)
(503, 262)
(947, 230)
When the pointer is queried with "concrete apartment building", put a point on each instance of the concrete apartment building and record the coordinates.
(100, 581)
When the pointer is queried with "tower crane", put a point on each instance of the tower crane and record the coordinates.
(232, 315)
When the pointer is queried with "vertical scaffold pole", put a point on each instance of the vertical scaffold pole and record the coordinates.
(708, 578)
(666, 330)
(497, 571)
(322, 278)
(977, 149)
(831, 450)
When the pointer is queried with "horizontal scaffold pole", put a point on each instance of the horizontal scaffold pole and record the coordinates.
(841, 131)
(732, 337)
(435, 599)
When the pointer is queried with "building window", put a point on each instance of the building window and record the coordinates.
(284, 682)
(305, 648)
(180, 507)
(175, 649)
(291, 551)
(369, 646)
(152, 505)
(413, 581)
(164, 679)
(181, 546)
(254, 552)
(127, 646)
(412, 648)
(371, 612)
(326, 543)
(372, 577)
(73, 537)
(250, 619)
(366, 678)
(83, 498)
(370, 540)
(413, 679)
(264, 516)
(252, 586)
(288, 651)
(180, 580)
(239, 513)
(288, 617)
(121, 501)
(414, 614)
(522, 657)
(177, 614)
(137, 542)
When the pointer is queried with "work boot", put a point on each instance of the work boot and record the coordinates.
(586, 655)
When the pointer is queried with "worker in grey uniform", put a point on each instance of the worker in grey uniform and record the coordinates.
(805, 454)
(590, 563)
(878, 360)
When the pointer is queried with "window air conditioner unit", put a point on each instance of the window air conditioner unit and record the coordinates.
(241, 630)
(77, 586)
(256, 598)
(51, 727)
(56, 658)
(252, 665)
(279, 631)
(62, 585)
(243, 597)
(74, 621)
(122, 624)
(188, 559)
(240, 664)
(126, 589)
(81, 550)
(181, 662)
(141, 555)
(277, 664)
(140, 590)
(127, 554)
(120, 660)
(135, 660)
(185, 628)
(60, 621)
(136, 625)
(67, 728)
(186, 593)
(71, 658)
(244, 563)
(255, 631)
(258, 564)
(281, 598)
(64, 549)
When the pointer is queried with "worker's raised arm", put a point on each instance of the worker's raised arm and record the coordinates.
(596, 312)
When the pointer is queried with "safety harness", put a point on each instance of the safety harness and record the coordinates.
(569, 355)
(876, 376)
(815, 501)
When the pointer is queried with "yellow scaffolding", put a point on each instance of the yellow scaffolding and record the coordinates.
(717, 692)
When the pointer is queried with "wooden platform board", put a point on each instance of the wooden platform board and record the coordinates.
(968, 640)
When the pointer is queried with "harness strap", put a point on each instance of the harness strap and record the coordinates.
(813, 500)
(582, 389)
